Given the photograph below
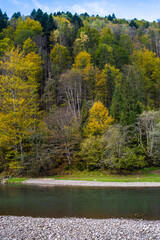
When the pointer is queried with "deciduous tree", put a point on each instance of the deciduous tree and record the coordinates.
(18, 100)
(99, 120)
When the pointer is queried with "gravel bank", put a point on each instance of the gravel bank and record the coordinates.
(18, 228)
(50, 182)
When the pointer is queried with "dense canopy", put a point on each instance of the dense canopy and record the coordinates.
(79, 92)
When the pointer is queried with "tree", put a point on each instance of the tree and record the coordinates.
(125, 42)
(29, 24)
(82, 60)
(3, 20)
(118, 154)
(47, 22)
(99, 120)
(104, 54)
(129, 98)
(121, 56)
(107, 37)
(150, 64)
(63, 134)
(149, 135)
(133, 24)
(80, 43)
(60, 58)
(16, 15)
(5, 44)
(110, 77)
(71, 84)
(29, 46)
(93, 39)
(50, 25)
(18, 100)
(110, 18)
(91, 152)
(63, 31)
(26, 29)
(22, 36)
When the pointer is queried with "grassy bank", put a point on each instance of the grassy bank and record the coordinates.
(140, 176)
(16, 180)
(145, 175)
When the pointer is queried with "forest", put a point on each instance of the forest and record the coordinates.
(78, 92)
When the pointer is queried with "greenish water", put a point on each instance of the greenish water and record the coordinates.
(35, 201)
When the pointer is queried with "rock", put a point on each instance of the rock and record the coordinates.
(77, 228)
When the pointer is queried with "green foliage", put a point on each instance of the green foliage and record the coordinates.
(128, 98)
(133, 24)
(44, 19)
(104, 54)
(3, 20)
(60, 58)
(117, 154)
(107, 37)
(29, 46)
(5, 45)
(22, 36)
(93, 39)
(126, 43)
(109, 78)
(16, 15)
(92, 152)
(26, 29)
(150, 64)
(90, 65)
(121, 56)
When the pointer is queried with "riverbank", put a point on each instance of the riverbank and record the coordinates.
(75, 229)
(143, 175)
(52, 182)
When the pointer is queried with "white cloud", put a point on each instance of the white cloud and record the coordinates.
(78, 9)
(45, 8)
(101, 8)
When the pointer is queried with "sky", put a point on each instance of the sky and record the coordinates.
(128, 9)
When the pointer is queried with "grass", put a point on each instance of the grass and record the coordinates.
(140, 176)
(145, 175)
(16, 180)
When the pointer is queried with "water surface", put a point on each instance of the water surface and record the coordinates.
(36, 201)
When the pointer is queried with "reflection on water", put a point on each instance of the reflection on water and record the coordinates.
(35, 201)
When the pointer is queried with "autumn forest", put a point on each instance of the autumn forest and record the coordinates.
(78, 92)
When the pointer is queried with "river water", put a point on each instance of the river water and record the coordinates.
(88, 202)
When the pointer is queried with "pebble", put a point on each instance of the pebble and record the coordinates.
(28, 228)
(52, 182)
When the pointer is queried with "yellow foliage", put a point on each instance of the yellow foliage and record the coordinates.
(150, 64)
(18, 96)
(29, 24)
(29, 46)
(109, 71)
(82, 60)
(99, 119)
(61, 21)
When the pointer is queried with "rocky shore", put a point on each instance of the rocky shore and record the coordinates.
(27, 228)
(52, 182)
